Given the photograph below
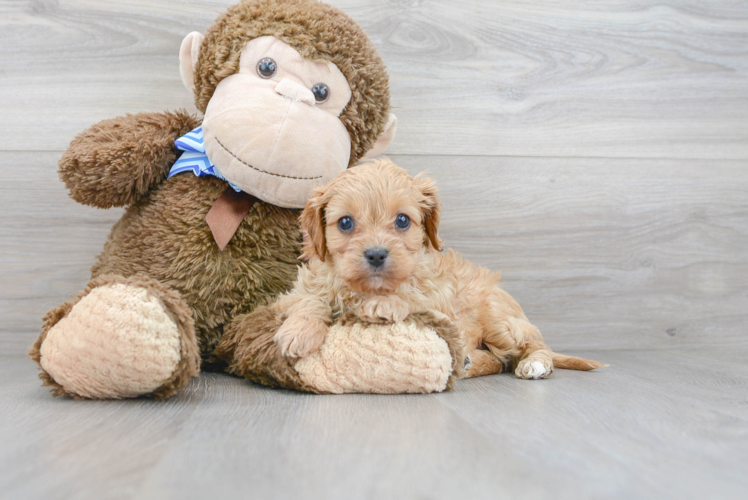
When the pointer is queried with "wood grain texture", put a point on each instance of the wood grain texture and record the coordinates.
(47, 242)
(619, 78)
(601, 253)
(652, 425)
(606, 253)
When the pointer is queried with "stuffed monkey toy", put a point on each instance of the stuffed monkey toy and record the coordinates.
(292, 92)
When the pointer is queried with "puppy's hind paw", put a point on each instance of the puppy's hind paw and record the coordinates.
(533, 369)
(479, 363)
(299, 337)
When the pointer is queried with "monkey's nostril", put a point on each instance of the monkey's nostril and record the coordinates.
(376, 256)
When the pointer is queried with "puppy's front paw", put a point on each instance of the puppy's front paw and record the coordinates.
(298, 337)
(384, 309)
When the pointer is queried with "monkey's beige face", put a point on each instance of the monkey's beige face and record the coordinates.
(374, 226)
(273, 128)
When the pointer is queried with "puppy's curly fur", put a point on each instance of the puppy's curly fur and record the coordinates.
(373, 248)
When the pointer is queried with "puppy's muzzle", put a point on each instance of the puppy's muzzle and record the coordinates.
(376, 256)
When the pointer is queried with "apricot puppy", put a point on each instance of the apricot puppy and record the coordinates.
(372, 247)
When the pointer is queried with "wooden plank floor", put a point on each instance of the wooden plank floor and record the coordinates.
(653, 425)
(596, 154)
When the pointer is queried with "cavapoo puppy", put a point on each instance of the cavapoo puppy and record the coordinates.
(372, 248)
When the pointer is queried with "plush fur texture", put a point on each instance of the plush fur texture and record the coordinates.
(318, 31)
(420, 355)
(166, 237)
(417, 355)
(117, 161)
(120, 331)
(163, 233)
(408, 275)
(248, 350)
(100, 348)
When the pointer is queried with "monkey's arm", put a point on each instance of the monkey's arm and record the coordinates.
(116, 161)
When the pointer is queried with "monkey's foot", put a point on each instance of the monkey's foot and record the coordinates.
(123, 338)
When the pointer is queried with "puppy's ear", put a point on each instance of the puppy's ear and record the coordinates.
(313, 225)
(432, 209)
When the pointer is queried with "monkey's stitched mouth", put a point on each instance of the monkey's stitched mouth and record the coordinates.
(265, 171)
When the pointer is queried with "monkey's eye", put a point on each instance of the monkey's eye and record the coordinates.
(267, 68)
(321, 92)
(402, 221)
(345, 224)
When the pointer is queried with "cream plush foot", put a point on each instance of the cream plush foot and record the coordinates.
(121, 338)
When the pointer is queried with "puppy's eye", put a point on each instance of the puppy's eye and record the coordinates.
(345, 224)
(267, 68)
(402, 221)
(321, 93)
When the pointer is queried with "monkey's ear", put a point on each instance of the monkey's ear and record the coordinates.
(384, 140)
(188, 53)
(313, 226)
(432, 209)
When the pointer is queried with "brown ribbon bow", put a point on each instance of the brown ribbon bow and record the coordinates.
(227, 213)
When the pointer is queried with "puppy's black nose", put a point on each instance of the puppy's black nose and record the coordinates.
(376, 256)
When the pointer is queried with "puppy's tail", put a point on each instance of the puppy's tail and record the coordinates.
(572, 363)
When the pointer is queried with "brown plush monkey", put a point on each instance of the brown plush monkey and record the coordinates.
(293, 92)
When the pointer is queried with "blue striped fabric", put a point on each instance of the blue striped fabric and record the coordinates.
(194, 159)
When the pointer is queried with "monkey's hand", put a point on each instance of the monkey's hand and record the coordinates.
(299, 336)
(382, 309)
(116, 161)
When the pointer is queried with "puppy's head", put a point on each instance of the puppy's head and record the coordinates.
(374, 222)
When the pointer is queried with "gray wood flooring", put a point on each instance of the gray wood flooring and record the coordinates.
(668, 424)
(594, 152)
